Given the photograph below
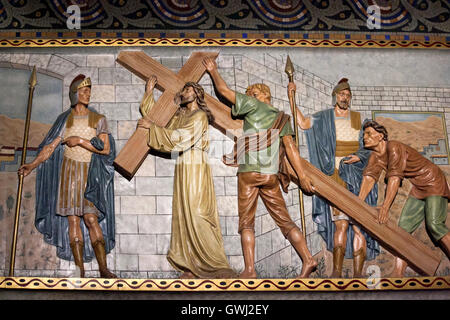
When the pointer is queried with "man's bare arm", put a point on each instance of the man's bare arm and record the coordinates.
(45, 153)
(303, 122)
(219, 83)
(391, 191)
(86, 144)
(367, 184)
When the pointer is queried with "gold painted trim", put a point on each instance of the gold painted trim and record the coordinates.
(226, 285)
(438, 43)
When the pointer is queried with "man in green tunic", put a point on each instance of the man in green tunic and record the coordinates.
(258, 169)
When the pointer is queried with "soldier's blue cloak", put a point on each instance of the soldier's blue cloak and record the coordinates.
(321, 139)
(99, 190)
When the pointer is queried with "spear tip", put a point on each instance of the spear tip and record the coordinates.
(33, 78)
(289, 69)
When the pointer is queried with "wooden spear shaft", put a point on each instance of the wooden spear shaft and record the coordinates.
(32, 84)
(290, 72)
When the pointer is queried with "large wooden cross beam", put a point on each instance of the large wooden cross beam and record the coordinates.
(136, 149)
(394, 239)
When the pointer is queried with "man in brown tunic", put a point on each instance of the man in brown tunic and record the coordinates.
(428, 198)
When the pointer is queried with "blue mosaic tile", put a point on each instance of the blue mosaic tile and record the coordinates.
(262, 16)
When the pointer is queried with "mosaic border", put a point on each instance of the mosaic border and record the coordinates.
(268, 15)
(126, 39)
(226, 285)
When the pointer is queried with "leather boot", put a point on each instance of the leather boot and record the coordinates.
(338, 261)
(100, 254)
(77, 251)
(358, 263)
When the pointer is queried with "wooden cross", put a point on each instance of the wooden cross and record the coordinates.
(136, 149)
(394, 239)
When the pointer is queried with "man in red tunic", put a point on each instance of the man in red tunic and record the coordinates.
(428, 198)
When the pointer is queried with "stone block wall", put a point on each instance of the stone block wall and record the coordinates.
(398, 98)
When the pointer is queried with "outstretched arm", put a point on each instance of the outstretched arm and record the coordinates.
(294, 159)
(45, 153)
(303, 122)
(219, 83)
(148, 101)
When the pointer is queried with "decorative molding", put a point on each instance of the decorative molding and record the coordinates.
(226, 285)
(102, 39)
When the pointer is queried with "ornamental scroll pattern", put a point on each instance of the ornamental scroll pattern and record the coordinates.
(406, 16)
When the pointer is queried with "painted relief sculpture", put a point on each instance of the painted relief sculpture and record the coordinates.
(258, 173)
(428, 198)
(335, 146)
(196, 245)
(394, 239)
(74, 183)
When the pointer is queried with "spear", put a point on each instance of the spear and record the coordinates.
(289, 69)
(32, 84)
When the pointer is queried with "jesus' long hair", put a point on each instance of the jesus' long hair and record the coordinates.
(200, 98)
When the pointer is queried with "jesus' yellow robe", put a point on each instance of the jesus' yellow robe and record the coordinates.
(196, 242)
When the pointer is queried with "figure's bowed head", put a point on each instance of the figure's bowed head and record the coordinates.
(186, 95)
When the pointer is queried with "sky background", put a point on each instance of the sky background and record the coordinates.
(14, 89)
